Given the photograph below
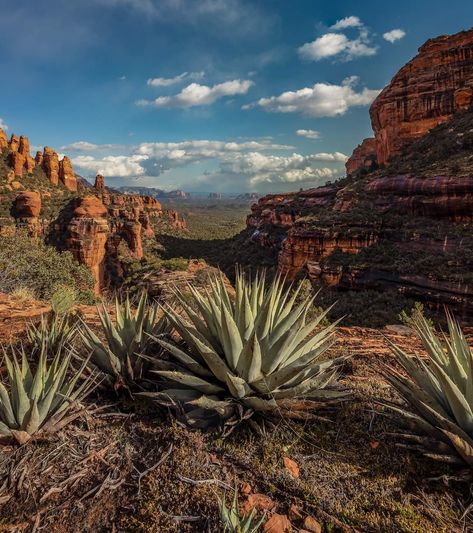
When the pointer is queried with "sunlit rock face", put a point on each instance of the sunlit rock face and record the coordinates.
(426, 92)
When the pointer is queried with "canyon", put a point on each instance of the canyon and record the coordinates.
(402, 220)
(43, 196)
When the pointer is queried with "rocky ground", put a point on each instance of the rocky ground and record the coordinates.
(125, 467)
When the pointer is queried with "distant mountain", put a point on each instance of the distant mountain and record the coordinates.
(153, 191)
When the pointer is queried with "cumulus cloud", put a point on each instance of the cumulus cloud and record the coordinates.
(309, 134)
(338, 44)
(116, 166)
(247, 163)
(394, 35)
(263, 168)
(347, 22)
(198, 95)
(3, 125)
(320, 100)
(166, 82)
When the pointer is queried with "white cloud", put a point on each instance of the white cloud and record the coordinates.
(3, 126)
(196, 94)
(262, 168)
(116, 166)
(394, 35)
(166, 82)
(338, 44)
(347, 22)
(233, 165)
(321, 100)
(308, 134)
(122, 78)
(85, 146)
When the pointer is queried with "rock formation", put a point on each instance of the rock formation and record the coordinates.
(51, 165)
(425, 92)
(408, 230)
(364, 156)
(3, 140)
(99, 182)
(88, 231)
(67, 175)
(27, 208)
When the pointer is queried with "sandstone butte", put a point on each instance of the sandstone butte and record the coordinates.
(427, 91)
(435, 87)
(98, 222)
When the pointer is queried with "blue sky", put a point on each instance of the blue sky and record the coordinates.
(207, 95)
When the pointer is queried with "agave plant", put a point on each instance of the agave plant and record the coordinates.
(253, 353)
(53, 332)
(121, 357)
(43, 402)
(234, 522)
(439, 392)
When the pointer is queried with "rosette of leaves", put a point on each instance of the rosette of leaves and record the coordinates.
(42, 402)
(250, 353)
(121, 356)
(54, 332)
(235, 522)
(438, 391)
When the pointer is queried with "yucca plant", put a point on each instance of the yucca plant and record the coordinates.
(439, 392)
(121, 356)
(53, 332)
(251, 353)
(40, 403)
(234, 522)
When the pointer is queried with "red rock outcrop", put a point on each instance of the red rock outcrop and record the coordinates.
(99, 182)
(87, 236)
(364, 156)
(3, 140)
(27, 208)
(14, 143)
(424, 93)
(39, 158)
(51, 165)
(67, 175)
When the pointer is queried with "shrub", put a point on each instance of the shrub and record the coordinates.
(439, 393)
(127, 340)
(43, 402)
(234, 522)
(251, 354)
(31, 264)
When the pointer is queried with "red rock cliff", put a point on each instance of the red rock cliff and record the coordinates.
(424, 93)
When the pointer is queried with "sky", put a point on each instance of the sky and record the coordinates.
(207, 95)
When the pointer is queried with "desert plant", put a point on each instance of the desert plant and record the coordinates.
(250, 354)
(439, 392)
(40, 403)
(53, 332)
(409, 319)
(127, 339)
(63, 300)
(234, 522)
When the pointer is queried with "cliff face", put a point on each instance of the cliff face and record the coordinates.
(409, 225)
(427, 91)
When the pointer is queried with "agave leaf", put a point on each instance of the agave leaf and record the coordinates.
(191, 381)
(185, 359)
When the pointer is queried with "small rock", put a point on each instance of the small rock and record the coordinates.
(312, 525)
(260, 502)
(278, 523)
(295, 512)
(246, 488)
(291, 467)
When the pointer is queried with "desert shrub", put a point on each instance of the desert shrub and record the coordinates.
(30, 264)
(253, 353)
(175, 263)
(438, 392)
(415, 314)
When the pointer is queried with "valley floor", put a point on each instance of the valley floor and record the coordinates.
(127, 468)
